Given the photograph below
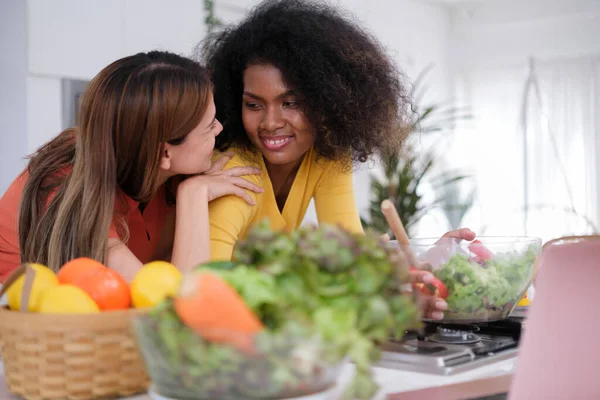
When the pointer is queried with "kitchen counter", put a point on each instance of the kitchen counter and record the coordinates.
(403, 385)
(490, 380)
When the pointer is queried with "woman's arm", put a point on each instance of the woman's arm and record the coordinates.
(191, 237)
(229, 216)
(334, 200)
(120, 259)
(191, 245)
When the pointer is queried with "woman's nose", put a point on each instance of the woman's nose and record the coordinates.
(219, 128)
(272, 120)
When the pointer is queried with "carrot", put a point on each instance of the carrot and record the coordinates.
(215, 311)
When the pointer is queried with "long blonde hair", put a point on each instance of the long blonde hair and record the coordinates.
(130, 109)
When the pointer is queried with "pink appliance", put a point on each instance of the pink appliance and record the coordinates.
(558, 357)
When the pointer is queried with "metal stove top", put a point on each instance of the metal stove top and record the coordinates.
(447, 349)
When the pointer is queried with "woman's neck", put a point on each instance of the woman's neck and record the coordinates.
(282, 178)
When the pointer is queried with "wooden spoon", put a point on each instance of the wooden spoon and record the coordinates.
(393, 219)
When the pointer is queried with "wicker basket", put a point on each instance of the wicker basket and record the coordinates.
(62, 356)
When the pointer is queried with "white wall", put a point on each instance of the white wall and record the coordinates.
(44, 112)
(504, 33)
(13, 72)
(492, 41)
(77, 38)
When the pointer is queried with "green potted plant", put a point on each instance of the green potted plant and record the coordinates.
(210, 19)
(404, 174)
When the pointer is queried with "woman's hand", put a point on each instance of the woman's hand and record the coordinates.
(460, 234)
(433, 306)
(217, 182)
(191, 243)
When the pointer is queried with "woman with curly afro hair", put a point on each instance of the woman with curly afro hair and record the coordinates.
(304, 93)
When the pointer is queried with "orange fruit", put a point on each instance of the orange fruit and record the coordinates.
(71, 270)
(106, 287)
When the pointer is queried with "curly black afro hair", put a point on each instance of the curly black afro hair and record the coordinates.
(351, 90)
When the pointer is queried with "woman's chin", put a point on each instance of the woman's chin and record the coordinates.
(206, 166)
(280, 158)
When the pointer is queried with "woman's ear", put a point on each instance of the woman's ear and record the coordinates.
(165, 157)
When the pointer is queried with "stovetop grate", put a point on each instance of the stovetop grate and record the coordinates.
(498, 341)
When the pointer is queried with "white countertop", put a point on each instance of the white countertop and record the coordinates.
(390, 380)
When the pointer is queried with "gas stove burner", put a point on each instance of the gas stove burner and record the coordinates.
(448, 349)
(455, 335)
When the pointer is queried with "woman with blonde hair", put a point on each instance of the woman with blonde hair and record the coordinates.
(106, 188)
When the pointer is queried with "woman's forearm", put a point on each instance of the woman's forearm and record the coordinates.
(191, 245)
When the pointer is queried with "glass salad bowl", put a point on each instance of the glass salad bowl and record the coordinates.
(482, 280)
(183, 366)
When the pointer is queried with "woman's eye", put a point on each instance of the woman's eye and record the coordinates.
(290, 104)
(252, 106)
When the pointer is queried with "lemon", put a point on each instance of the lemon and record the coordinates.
(44, 279)
(66, 299)
(153, 283)
(524, 302)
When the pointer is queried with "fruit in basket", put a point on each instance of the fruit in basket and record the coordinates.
(108, 288)
(66, 299)
(153, 283)
(44, 278)
(76, 267)
(213, 309)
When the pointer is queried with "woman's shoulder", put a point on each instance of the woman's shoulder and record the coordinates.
(244, 159)
(322, 165)
(241, 158)
(11, 197)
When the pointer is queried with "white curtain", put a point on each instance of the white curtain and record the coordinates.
(552, 189)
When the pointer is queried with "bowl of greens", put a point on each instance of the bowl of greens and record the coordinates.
(182, 365)
(482, 280)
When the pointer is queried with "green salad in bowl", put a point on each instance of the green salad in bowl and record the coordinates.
(482, 280)
(293, 362)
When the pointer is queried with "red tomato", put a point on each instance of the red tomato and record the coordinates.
(435, 288)
(440, 290)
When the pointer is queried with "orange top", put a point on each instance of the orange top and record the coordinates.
(144, 228)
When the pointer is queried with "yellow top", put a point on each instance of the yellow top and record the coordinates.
(333, 191)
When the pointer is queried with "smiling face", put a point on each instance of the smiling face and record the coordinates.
(273, 117)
